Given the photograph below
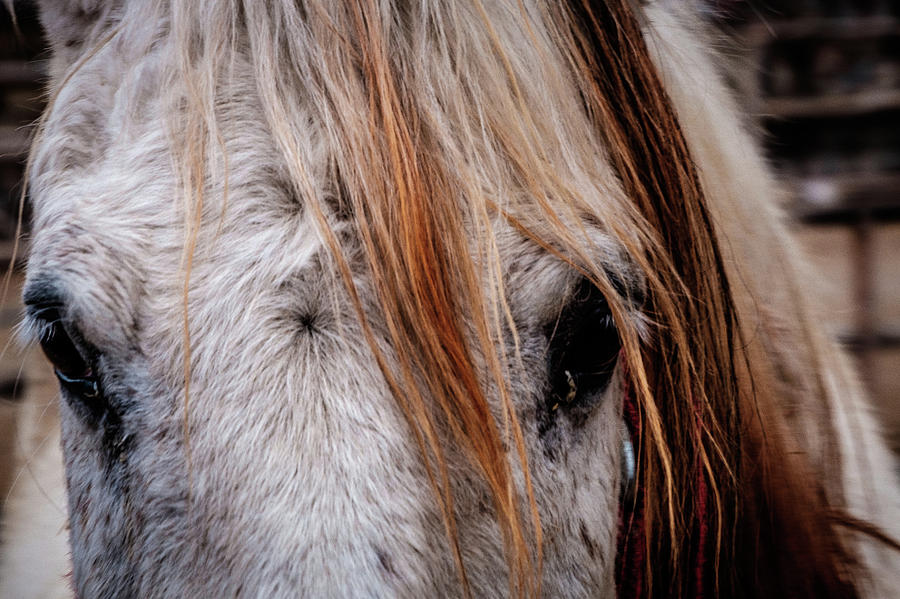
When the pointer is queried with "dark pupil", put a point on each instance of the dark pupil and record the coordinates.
(61, 351)
(583, 349)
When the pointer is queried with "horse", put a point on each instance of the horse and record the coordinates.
(434, 298)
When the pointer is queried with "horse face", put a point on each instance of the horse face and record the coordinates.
(286, 465)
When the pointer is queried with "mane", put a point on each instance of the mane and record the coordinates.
(444, 122)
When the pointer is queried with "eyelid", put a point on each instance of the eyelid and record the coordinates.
(43, 309)
(43, 293)
(39, 317)
(46, 314)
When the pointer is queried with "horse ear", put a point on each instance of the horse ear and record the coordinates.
(68, 24)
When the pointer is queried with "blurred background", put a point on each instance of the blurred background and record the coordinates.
(27, 386)
(821, 78)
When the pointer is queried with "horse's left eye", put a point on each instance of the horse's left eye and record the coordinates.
(584, 345)
(72, 367)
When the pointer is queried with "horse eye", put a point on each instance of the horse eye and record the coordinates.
(72, 368)
(584, 347)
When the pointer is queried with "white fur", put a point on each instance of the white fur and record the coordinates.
(301, 476)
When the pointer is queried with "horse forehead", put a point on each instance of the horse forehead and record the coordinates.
(106, 201)
(104, 190)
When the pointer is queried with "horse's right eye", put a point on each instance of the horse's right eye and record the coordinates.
(72, 367)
